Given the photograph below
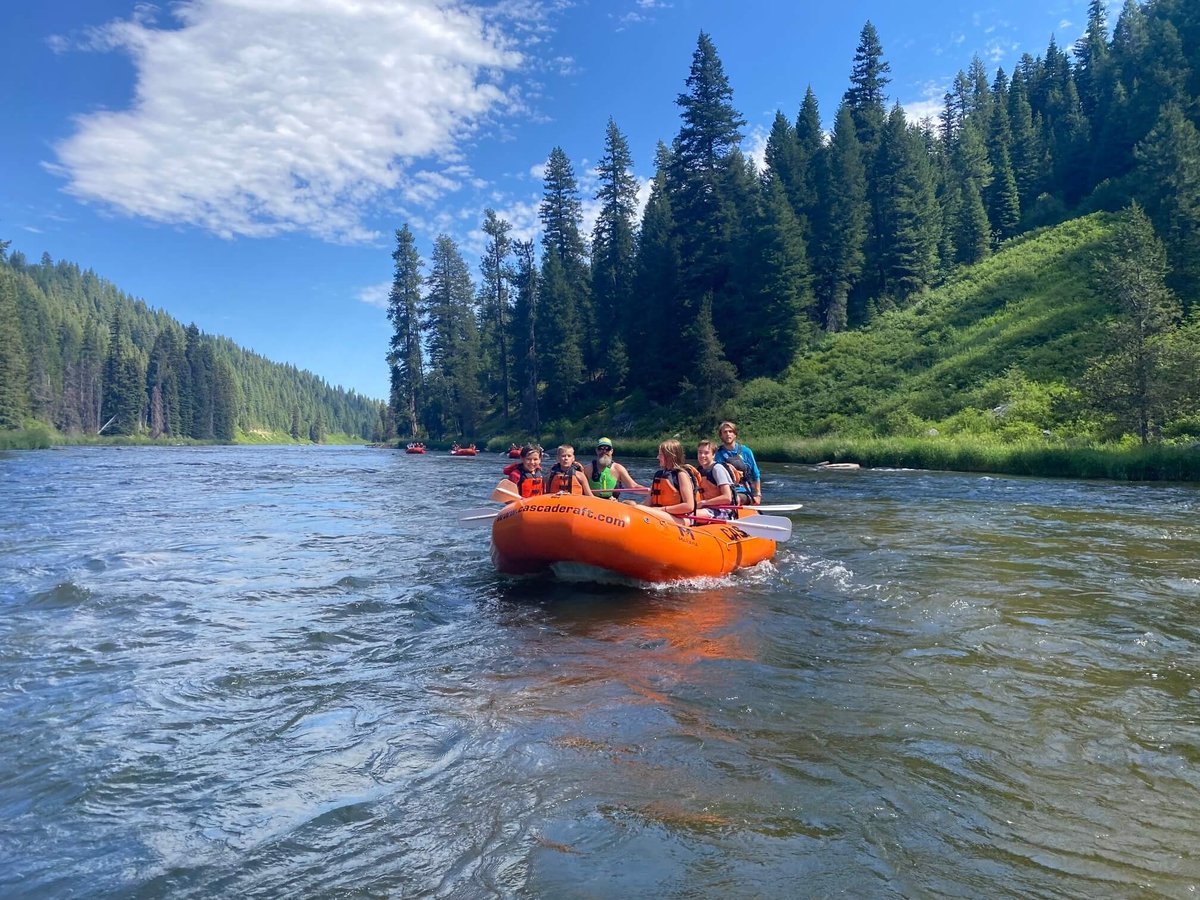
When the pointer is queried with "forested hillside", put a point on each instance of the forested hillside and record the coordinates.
(737, 280)
(78, 354)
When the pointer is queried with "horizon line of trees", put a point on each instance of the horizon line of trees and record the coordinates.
(78, 354)
(731, 272)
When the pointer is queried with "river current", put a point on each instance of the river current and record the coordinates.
(269, 672)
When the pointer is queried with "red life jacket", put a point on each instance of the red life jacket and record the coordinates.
(529, 484)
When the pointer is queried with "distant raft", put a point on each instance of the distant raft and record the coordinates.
(538, 533)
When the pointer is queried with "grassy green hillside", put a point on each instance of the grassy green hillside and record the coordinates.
(998, 349)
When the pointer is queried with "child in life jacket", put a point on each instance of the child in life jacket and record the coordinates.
(716, 481)
(675, 488)
(566, 476)
(527, 474)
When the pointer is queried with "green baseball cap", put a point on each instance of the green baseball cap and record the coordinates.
(604, 442)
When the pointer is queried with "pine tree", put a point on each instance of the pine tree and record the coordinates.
(453, 330)
(564, 311)
(973, 237)
(1026, 152)
(124, 383)
(614, 247)
(773, 320)
(910, 218)
(1132, 383)
(866, 101)
(561, 360)
(865, 97)
(841, 259)
(658, 282)
(1003, 201)
(404, 357)
(14, 401)
(496, 305)
(711, 378)
(702, 211)
(810, 141)
(1169, 175)
(524, 333)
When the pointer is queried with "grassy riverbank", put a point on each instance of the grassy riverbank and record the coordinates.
(38, 436)
(1119, 462)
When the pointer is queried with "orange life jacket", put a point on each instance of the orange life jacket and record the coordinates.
(530, 484)
(709, 489)
(664, 489)
(558, 480)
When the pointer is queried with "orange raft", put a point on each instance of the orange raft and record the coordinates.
(539, 533)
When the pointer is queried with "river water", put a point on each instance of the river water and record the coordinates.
(290, 672)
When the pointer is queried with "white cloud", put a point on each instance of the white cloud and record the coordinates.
(376, 294)
(757, 149)
(262, 117)
(930, 105)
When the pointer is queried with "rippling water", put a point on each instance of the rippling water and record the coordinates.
(289, 672)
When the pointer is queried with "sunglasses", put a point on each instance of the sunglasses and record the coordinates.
(604, 448)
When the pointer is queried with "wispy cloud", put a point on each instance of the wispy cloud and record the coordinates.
(260, 117)
(376, 294)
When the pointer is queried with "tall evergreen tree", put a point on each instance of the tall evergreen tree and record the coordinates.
(614, 248)
(1169, 175)
(14, 401)
(658, 283)
(773, 319)
(1026, 152)
(496, 305)
(710, 132)
(1003, 200)
(865, 97)
(565, 317)
(124, 382)
(524, 336)
(866, 100)
(911, 222)
(453, 338)
(1132, 382)
(404, 356)
(711, 378)
(841, 259)
(810, 141)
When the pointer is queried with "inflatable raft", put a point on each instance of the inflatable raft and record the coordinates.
(544, 532)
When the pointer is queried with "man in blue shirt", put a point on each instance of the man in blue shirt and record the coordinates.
(751, 486)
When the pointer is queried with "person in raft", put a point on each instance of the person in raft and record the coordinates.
(527, 474)
(566, 476)
(716, 482)
(741, 457)
(604, 474)
(675, 488)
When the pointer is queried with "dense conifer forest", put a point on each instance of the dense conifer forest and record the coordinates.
(737, 287)
(79, 355)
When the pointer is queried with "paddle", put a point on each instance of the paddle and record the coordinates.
(505, 492)
(778, 507)
(478, 516)
(773, 528)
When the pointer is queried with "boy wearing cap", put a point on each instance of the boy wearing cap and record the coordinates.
(604, 474)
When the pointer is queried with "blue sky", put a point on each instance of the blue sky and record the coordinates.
(244, 164)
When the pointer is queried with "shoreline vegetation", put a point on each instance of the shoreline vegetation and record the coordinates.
(1045, 459)
(38, 436)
